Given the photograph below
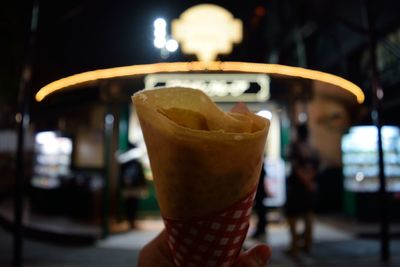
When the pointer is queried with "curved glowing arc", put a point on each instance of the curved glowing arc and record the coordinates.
(103, 74)
(296, 72)
(76, 79)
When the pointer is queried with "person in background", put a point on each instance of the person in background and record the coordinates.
(260, 208)
(301, 189)
(134, 187)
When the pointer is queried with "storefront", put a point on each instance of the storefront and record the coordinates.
(104, 132)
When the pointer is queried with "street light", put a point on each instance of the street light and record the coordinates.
(162, 40)
(160, 23)
(159, 42)
(171, 45)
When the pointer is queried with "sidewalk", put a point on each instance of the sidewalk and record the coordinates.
(333, 247)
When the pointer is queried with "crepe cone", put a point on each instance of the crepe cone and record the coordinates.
(206, 165)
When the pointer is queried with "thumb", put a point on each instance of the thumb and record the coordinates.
(257, 256)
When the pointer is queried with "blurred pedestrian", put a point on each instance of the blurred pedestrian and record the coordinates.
(134, 187)
(260, 209)
(301, 189)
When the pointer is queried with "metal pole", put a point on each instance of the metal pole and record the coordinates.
(108, 131)
(377, 97)
(22, 118)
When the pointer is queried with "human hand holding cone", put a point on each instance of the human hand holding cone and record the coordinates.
(206, 165)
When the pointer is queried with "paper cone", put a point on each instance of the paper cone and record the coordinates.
(206, 164)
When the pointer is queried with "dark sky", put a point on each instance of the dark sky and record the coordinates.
(81, 35)
(76, 36)
(88, 35)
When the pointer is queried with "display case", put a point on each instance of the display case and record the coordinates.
(275, 184)
(361, 171)
(53, 152)
(360, 158)
(51, 172)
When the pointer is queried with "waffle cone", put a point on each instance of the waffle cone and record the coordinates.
(203, 159)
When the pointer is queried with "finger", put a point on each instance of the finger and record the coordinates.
(155, 253)
(257, 256)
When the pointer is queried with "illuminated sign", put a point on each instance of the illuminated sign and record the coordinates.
(207, 30)
(83, 79)
(220, 87)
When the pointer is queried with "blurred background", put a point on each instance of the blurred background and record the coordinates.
(76, 187)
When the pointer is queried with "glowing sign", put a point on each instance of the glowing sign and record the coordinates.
(207, 30)
(92, 77)
(220, 87)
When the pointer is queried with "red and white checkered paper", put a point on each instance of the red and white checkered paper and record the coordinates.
(213, 241)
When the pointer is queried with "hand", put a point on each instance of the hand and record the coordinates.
(306, 176)
(156, 253)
